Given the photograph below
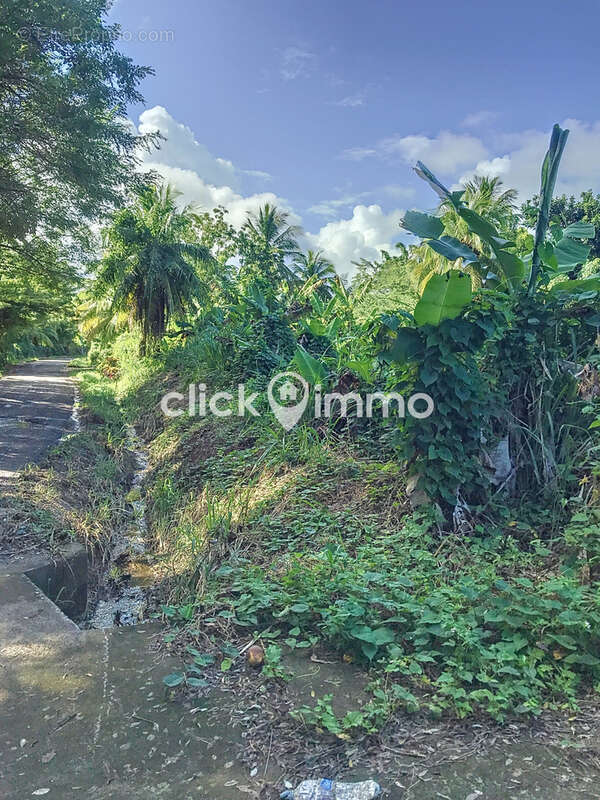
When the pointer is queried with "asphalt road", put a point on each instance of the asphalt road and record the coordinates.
(36, 403)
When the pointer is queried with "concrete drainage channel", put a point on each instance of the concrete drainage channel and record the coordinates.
(65, 580)
(125, 605)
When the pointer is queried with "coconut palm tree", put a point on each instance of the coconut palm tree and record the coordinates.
(148, 266)
(99, 320)
(313, 264)
(487, 197)
(266, 241)
(314, 270)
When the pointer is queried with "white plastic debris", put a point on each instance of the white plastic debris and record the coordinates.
(325, 789)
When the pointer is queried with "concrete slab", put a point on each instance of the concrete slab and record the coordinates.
(88, 716)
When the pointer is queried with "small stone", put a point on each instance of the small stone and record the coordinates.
(255, 656)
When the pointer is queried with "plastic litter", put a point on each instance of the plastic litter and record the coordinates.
(333, 790)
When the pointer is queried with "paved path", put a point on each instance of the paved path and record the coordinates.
(36, 402)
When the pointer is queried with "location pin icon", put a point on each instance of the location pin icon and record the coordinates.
(288, 415)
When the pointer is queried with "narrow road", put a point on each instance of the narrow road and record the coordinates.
(36, 402)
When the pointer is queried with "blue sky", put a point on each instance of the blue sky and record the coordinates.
(324, 106)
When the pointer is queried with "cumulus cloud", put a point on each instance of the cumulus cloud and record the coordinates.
(206, 196)
(520, 166)
(332, 208)
(446, 152)
(364, 235)
(181, 149)
(208, 181)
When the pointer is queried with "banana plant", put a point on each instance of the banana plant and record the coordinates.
(555, 253)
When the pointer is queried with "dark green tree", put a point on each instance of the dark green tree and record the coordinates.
(566, 210)
(148, 267)
(267, 244)
(66, 149)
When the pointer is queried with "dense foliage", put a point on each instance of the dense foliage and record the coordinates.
(485, 599)
(67, 156)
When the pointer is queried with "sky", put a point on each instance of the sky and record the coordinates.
(324, 106)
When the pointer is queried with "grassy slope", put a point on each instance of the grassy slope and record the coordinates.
(310, 536)
(77, 491)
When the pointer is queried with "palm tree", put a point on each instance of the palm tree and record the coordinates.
(98, 319)
(313, 264)
(485, 196)
(148, 264)
(312, 268)
(267, 239)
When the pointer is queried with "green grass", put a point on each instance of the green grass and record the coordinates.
(309, 538)
(77, 491)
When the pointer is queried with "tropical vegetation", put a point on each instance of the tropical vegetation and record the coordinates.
(455, 557)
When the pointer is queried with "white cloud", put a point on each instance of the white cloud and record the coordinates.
(358, 153)
(207, 181)
(259, 173)
(521, 165)
(206, 196)
(297, 62)
(181, 149)
(497, 167)
(351, 101)
(367, 232)
(479, 118)
(331, 208)
(445, 153)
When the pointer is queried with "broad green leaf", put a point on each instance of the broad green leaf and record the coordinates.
(257, 298)
(571, 252)
(582, 658)
(197, 683)
(369, 649)
(580, 230)
(362, 368)
(444, 297)
(438, 187)
(333, 327)
(299, 608)
(550, 166)
(591, 284)
(316, 327)
(393, 322)
(452, 248)
(407, 346)
(512, 267)
(547, 255)
(498, 242)
(377, 636)
(174, 679)
(423, 225)
(478, 225)
(309, 368)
